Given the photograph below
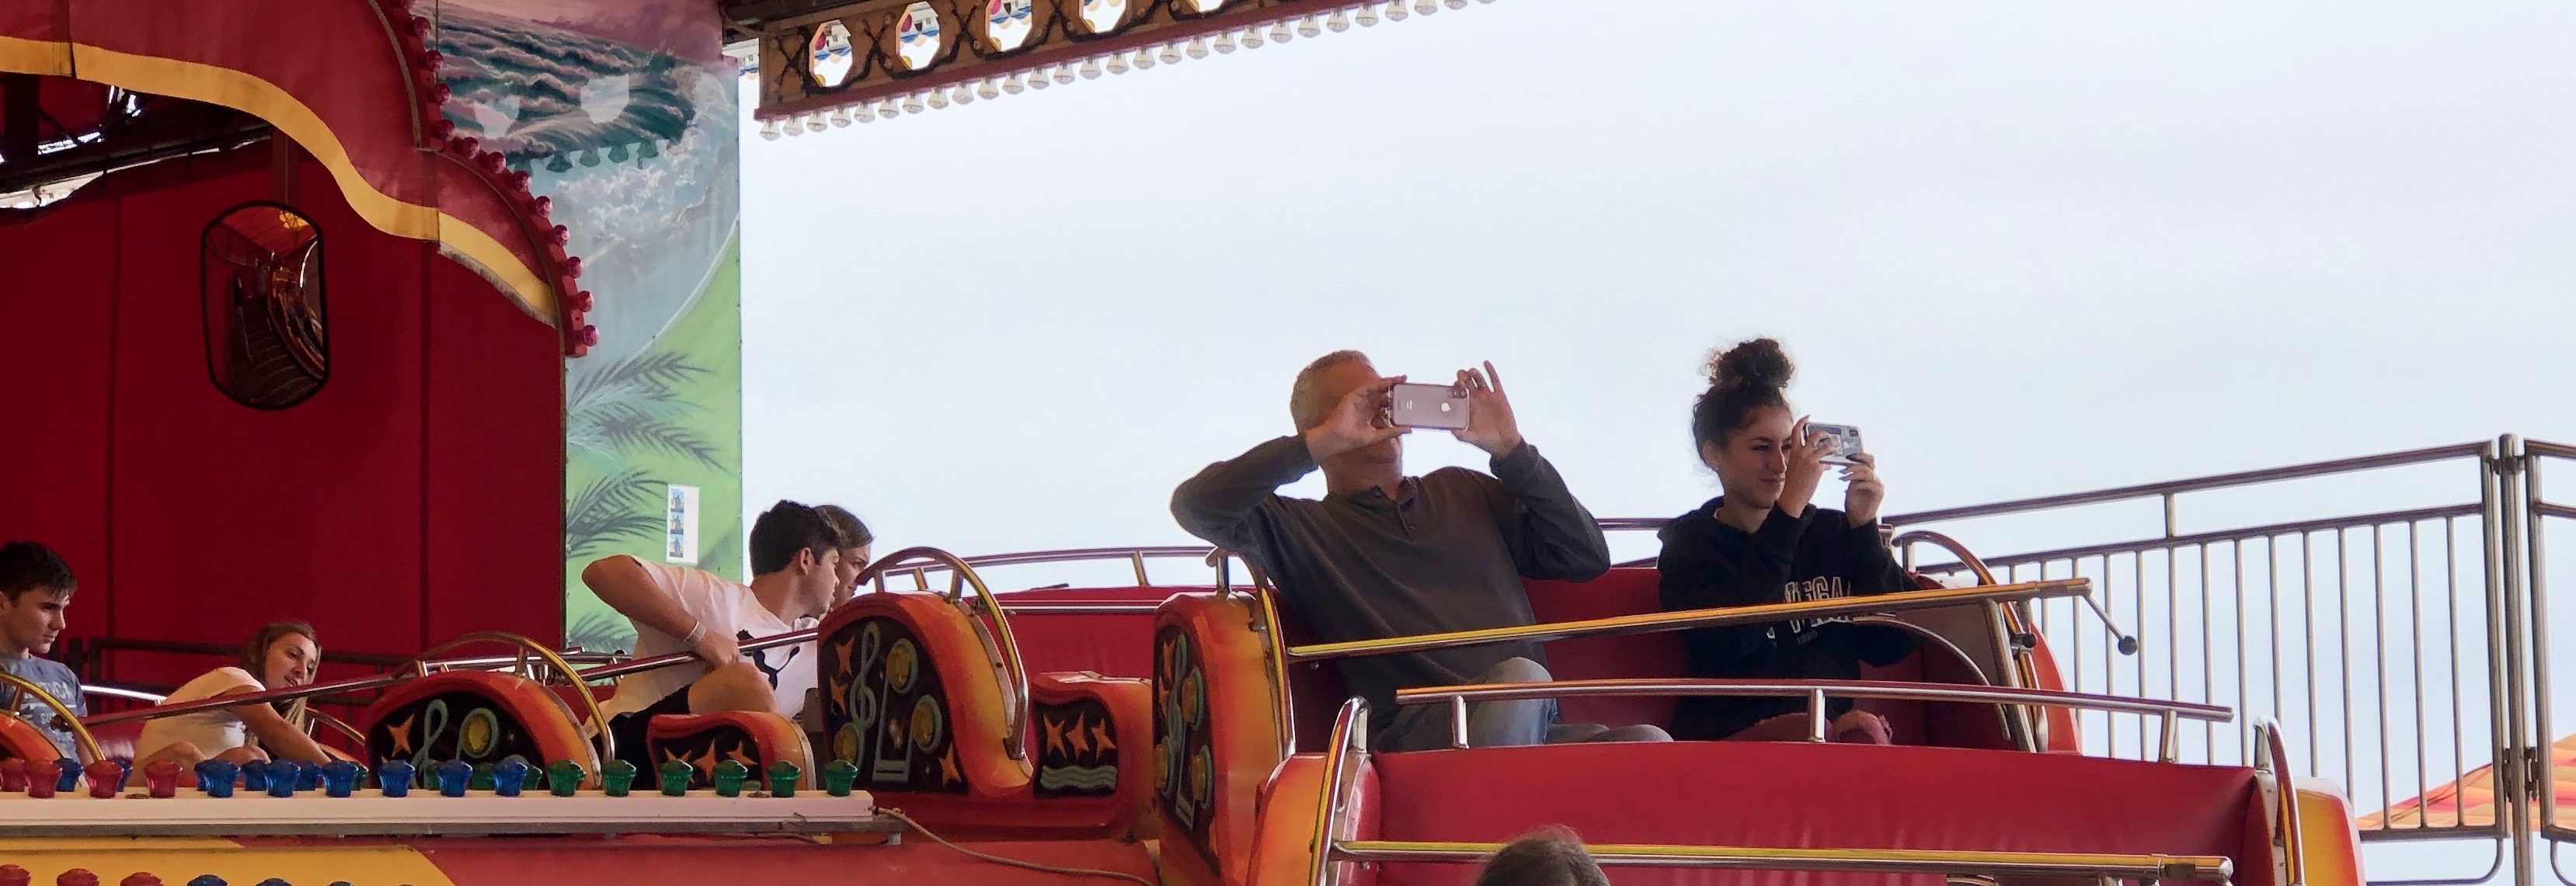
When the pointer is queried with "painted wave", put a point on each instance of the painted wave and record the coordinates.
(1078, 778)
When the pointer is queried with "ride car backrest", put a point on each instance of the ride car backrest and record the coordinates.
(1109, 644)
(1762, 794)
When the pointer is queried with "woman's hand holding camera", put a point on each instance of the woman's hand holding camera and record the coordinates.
(1862, 497)
(1806, 451)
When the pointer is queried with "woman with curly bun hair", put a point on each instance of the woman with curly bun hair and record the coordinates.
(1763, 542)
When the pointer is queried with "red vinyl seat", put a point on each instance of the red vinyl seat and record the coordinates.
(1113, 644)
(117, 740)
(1769, 794)
(1631, 590)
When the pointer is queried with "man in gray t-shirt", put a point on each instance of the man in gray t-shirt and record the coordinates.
(35, 587)
(1386, 555)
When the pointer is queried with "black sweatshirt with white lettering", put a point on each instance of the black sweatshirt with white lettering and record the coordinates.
(1812, 556)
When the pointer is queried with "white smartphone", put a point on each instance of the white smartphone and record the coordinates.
(1846, 441)
(1428, 406)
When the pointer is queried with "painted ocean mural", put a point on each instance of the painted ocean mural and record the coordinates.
(623, 114)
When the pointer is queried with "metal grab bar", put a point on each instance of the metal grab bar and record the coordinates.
(379, 681)
(1656, 622)
(658, 662)
(2272, 757)
(121, 692)
(1874, 861)
(1816, 692)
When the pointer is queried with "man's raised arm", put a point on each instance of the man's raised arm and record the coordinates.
(1220, 502)
(1552, 534)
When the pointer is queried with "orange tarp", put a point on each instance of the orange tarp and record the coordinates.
(2471, 801)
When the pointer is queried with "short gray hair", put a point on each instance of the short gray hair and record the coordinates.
(1306, 405)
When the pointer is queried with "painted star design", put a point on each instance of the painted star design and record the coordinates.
(402, 736)
(1100, 738)
(948, 766)
(1081, 738)
(1054, 730)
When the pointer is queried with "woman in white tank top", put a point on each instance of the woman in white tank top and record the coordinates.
(279, 655)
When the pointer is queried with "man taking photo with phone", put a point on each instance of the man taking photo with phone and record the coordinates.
(1386, 555)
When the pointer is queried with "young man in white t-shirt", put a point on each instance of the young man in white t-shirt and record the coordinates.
(795, 556)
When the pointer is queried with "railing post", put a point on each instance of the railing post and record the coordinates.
(2535, 589)
(1457, 721)
(1816, 724)
(2507, 666)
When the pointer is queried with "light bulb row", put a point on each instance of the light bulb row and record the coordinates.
(1064, 74)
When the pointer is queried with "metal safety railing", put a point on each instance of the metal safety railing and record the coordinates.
(2168, 715)
(2544, 764)
(2400, 637)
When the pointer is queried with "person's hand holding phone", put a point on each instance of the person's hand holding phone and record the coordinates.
(1805, 451)
(1864, 494)
(1490, 426)
(1358, 422)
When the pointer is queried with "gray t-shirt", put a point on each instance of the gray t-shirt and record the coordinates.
(56, 679)
(1447, 553)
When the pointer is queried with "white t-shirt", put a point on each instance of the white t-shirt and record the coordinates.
(212, 731)
(726, 608)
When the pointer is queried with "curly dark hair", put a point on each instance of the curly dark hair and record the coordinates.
(1550, 857)
(1741, 379)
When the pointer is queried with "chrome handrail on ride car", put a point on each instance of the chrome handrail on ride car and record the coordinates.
(1816, 691)
(2272, 758)
(121, 692)
(1656, 622)
(1334, 843)
(1945, 862)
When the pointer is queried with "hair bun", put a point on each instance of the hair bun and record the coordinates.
(1758, 363)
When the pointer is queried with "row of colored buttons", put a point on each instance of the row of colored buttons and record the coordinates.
(13, 875)
(340, 778)
(42, 778)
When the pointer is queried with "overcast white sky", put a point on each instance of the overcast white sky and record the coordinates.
(2029, 247)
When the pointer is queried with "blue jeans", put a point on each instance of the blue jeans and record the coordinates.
(1504, 723)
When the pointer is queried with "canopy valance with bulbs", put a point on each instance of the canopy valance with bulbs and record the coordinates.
(857, 62)
(354, 83)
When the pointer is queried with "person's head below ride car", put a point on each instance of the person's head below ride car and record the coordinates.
(1549, 857)
(1385, 555)
(1762, 542)
(35, 591)
(279, 655)
(795, 562)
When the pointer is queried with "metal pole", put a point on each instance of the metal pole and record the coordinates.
(2503, 656)
(2536, 589)
(1457, 721)
(1816, 715)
